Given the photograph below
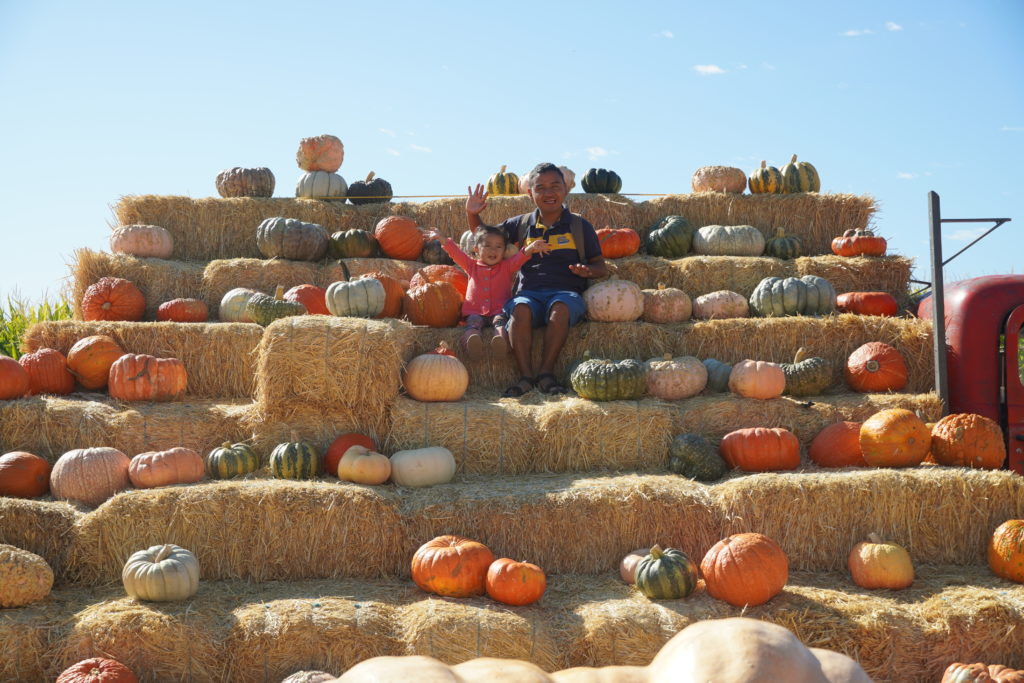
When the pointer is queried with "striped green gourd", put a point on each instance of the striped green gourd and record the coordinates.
(265, 309)
(800, 176)
(807, 375)
(352, 244)
(503, 183)
(671, 237)
(601, 181)
(231, 460)
(666, 574)
(783, 246)
(294, 460)
(608, 380)
(765, 180)
(692, 455)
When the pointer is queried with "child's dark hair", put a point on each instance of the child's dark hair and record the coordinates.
(483, 231)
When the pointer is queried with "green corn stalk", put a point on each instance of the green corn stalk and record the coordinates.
(17, 316)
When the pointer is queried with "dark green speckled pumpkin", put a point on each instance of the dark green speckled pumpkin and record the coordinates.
(671, 237)
(783, 246)
(608, 380)
(294, 460)
(693, 456)
(231, 460)
(718, 375)
(807, 295)
(601, 181)
(352, 244)
(370, 191)
(666, 574)
(265, 309)
(807, 375)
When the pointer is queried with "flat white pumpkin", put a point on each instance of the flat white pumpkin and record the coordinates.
(161, 573)
(422, 466)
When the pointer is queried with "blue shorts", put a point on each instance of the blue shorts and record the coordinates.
(540, 302)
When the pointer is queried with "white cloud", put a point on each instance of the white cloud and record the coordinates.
(393, 152)
(420, 148)
(596, 152)
(1015, 129)
(892, 26)
(387, 131)
(906, 176)
(766, 65)
(853, 33)
(742, 66)
(708, 69)
(667, 34)
(967, 234)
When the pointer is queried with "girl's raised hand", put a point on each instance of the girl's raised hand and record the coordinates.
(477, 200)
(537, 247)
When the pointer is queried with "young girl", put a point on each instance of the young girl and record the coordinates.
(490, 285)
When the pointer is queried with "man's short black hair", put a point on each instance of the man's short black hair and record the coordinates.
(546, 167)
(483, 231)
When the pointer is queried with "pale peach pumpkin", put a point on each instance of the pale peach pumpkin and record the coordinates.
(675, 378)
(89, 475)
(666, 305)
(361, 465)
(721, 304)
(757, 379)
(162, 468)
(143, 241)
(320, 153)
(614, 300)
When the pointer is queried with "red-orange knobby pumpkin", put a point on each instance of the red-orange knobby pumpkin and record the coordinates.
(14, 381)
(958, 672)
(23, 475)
(436, 304)
(183, 311)
(341, 444)
(393, 293)
(894, 438)
(745, 569)
(90, 358)
(1004, 674)
(441, 273)
(139, 377)
(97, 670)
(761, 449)
(47, 372)
(515, 583)
(162, 468)
(867, 303)
(618, 242)
(968, 440)
(837, 445)
(1006, 550)
(452, 566)
(113, 298)
(859, 243)
(312, 297)
(399, 237)
(876, 366)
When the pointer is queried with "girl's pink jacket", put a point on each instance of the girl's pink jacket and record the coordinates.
(489, 286)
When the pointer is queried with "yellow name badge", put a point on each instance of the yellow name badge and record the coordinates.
(564, 241)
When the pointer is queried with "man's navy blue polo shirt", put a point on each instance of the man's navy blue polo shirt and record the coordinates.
(551, 271)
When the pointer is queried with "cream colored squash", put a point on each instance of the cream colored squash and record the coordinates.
(614, 300)
(721, 304)
(361, 465)
(161, 573)
(409, 669)
(321, 185)
(494, 670)
(234, 305)
(604, 674)
(675, 378)
(838, 668)
(422, 466)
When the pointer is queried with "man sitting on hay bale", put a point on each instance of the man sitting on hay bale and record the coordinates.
(551, 284)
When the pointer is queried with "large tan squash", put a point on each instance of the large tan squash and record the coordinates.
(24, 577)
(422, 466)
(418, 668)
(89, 475)
(604, 674)
(838, 668)
(494, 670)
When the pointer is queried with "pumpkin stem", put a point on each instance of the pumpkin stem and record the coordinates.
(279, 293)
(226, 444)
(872, 366)
(793, 160)
(874, 538)
(661, 285)
(657, 552)
(502, 168)
(370, 177)
(780, 232)
(667, 356)
(764, 164)
(801, 355)
(164, 551)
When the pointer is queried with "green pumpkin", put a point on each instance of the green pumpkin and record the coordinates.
(728, 240)
(693, 456)
(666, 574)
(265, 309)
(800, 176)
(809, 295)
(362, 298)
(782, 245)
(503, 183)
(294, 460)
(434, 253)
(352, 244)
(608, 380)
(807, 375)
(671, 237)
(718, 375)
(370, 191)
(292, 239)
(765, 180)
(601, 181)
(231, 460)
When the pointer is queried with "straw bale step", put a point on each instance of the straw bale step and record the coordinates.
(209, 228)
(568, 434)
(245, 632)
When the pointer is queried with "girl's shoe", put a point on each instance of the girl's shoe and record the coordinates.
(499, 347)
(474, 344)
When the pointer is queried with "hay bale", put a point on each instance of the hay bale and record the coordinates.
(219, 357)
(257, 529)
(939, 514)
(50, 426)
(158, 279)
(43, 527)
(316, 365)
(551, 519)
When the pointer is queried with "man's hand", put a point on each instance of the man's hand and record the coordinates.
(537, 247)
(581, 269)
(477, 200)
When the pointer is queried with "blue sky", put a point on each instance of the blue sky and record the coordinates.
(890, 99)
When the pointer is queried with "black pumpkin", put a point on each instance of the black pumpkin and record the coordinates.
(671, 237)
(434, 253)
(601, 181)
(370, 191)
(352, 244)
(608, 380)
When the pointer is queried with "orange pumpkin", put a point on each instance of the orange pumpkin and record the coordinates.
(618, 243)
(1004, 674)
(867, 303)
(183, 311)
(341, 444)
(23, 475)
(859, 243)
(89, 475)
(320, 153)
(14, 380)
(47, 372)
(436, 376)
(757, 379)
(436, 304)
(878, 564)
(894, 438)
(113, 298)
(441, 273)
(968, 440)
(958, 672)
(90, 359)
(97, 670)
(312, 297)
(745, 569)
(515, 583)
(876, 366)
(163, 468)
(393, 293)
(837, 445)
(399, 237)
(139, 377)
(452, 566)
(761, 449)
(1006, 550)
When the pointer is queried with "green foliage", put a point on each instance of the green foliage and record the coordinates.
(17, 316)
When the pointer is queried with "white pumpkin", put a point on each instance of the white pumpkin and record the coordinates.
(721, 304)
(144, 241)
(361, 465)
(321, 184)
(675, 378)
(666, 305)
(614, 301)
(362, 298)
(728, 240)
(234, 304)
(161, 573)
(422, 466)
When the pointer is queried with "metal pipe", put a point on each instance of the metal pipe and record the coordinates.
(938, 302)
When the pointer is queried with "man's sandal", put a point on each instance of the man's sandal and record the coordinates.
(553, 387)
(517, 390)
